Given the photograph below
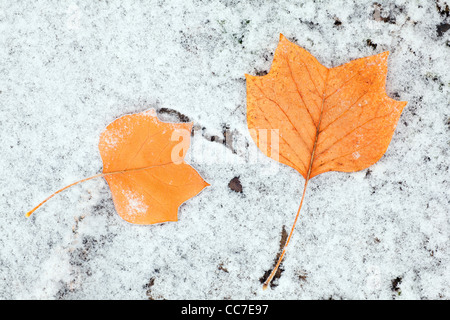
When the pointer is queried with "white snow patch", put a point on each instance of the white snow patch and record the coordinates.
(136, 203)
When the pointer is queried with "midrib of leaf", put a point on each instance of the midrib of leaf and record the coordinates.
(318, 127)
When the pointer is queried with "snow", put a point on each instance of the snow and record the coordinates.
(136, 203)
(70, 68)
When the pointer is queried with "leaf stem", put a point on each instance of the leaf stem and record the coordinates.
(274, 271)
(62, 189)
(93, 177)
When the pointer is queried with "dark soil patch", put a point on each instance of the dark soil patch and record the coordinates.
(273, 284)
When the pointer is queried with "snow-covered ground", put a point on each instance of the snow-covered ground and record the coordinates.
(68, 68)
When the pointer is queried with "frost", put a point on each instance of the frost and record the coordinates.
(111, 138)
(136, 203)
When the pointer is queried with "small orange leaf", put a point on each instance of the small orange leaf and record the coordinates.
(143, 163)
(329, 119)
(152, 179)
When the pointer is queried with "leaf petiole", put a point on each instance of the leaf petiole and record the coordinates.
(86, 179)
(280, 259)
(60, 190)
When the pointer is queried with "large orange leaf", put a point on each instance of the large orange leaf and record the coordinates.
(329, 119)
(143, 163)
